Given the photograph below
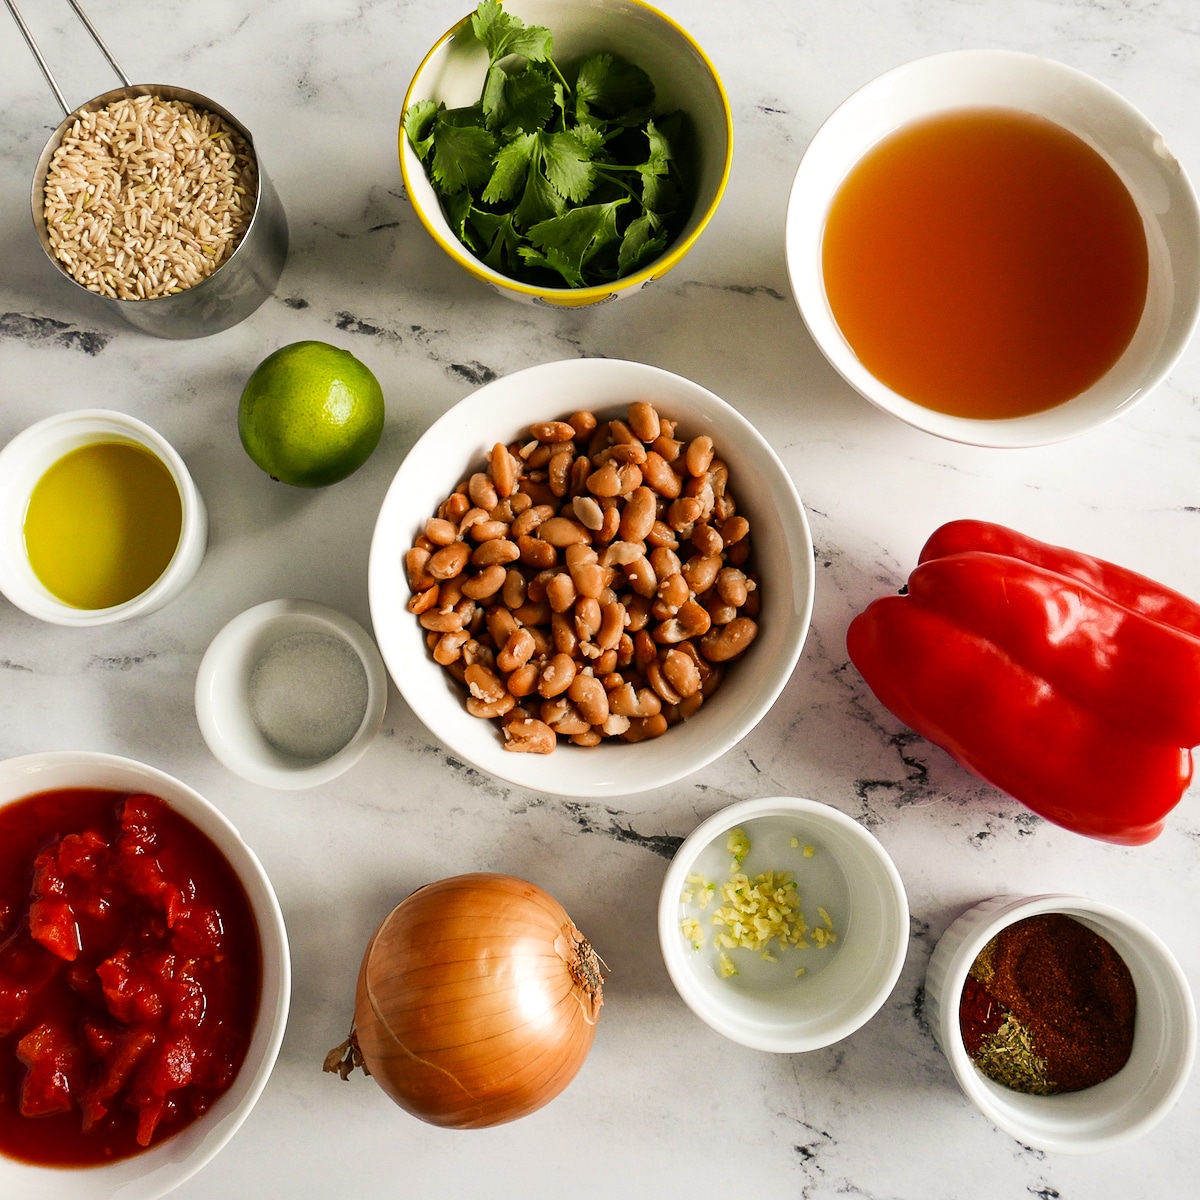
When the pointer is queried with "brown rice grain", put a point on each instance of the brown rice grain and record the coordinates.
(172, 184)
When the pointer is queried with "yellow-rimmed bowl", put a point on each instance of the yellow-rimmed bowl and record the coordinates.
(683, 78)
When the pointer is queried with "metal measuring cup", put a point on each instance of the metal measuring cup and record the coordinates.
(239, 285)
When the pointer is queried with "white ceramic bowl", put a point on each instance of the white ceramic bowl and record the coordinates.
(27, 458)
(1113, 1112)
(223, 703)
(1082, 105)
(683, 78)
(765, 1006)
(164, 1166)
(457, 444)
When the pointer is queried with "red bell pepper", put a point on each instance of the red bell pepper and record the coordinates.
(1067, 682)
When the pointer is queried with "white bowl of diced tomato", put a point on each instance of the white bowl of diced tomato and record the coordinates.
(144, 979)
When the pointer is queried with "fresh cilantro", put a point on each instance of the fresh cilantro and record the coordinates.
(612, 87)
(555, 176)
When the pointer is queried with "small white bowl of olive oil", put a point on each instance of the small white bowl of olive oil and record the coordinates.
(100, 520)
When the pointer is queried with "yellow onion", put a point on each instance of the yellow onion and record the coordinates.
(477, 1002)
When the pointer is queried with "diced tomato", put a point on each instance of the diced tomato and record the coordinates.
(129, 978)
(166, 1070)
(118, 1062)
(52, 922)
(25, 969)
(47, 877)
(81, 855)
(51, 1057)
(198, 932)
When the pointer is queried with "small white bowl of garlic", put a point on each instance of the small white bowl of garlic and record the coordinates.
(783, 924)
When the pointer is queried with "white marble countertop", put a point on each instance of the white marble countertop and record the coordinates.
(663, 1104)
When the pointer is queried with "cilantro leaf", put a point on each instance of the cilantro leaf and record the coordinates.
(503, 34)
(462, 151)
(551, 173)
(418, 125)
(611, 85)
(660, 194)
(567, 163)
(456, 208)
(512, 163)
(539, 202)
(660, 151)
(638, 247)
(529, 100)
(579, 233)
(499, 238)
(493, 102)
(553, 260)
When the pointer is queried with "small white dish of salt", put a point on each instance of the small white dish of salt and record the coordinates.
(290, 694)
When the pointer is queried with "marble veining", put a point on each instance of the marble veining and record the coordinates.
(664, 1106)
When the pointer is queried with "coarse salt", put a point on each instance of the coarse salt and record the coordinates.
(308, 695)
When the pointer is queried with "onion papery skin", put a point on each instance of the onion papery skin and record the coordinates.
(472, 1008)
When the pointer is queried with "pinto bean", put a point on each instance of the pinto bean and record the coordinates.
(643, 420)
(524, 680)
(681, 672)
(514, 588)
(498, 550)
(561, 593)
(416, 563)
(482, 491)
(487, 709)
(587, 512)
(658, 475)
(699, 455)
(421, 602)
(484, 684)
(578, 597)
(728, 641)
(449, 647)
(517, 650)
(440, 531)
(592, 700)
(534, 552)
(639, 516)
(583, 424)
(449, 561)
(486, 584)
(552, 431)
(562, 531)
(732, 586)
(556, 675)
(529, 736)
(503, 469)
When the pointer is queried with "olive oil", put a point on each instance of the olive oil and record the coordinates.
(985, 263)
(102, 524)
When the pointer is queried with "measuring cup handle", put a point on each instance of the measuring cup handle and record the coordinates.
(41, 62)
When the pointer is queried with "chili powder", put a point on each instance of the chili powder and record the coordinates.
(1049, 1006)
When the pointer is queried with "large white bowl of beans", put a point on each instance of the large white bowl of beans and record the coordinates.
(591, 578)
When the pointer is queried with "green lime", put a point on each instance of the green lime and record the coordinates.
(311, 414)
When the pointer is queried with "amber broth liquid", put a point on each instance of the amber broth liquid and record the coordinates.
(985, 263)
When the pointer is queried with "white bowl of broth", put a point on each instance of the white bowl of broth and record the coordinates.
(995, 248)
(100, 520)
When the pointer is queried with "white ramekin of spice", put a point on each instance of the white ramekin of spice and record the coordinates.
(1067, 1022)
(290, 694)
(783, 924)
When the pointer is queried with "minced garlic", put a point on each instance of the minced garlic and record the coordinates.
(738, 845)
(754, 913)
